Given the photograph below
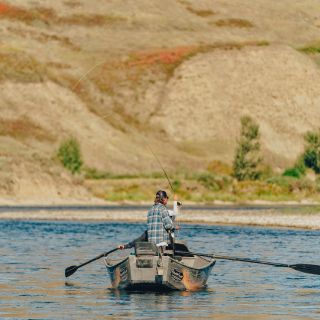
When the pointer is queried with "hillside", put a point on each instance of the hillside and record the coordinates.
(176, 75)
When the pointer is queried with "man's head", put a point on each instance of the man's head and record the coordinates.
(161, 197)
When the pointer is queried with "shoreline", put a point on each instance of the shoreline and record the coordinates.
(264, 217)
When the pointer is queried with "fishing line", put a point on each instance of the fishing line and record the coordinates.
(86, 73)
(107, 115)
(150, 149)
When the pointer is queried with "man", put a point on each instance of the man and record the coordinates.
(161, 198)
(159, 221)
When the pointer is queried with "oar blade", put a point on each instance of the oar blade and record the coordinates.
(306, 268)
(70, 270)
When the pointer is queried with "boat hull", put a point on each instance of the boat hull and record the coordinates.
(159, 272)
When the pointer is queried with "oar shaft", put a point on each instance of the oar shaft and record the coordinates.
(302, 267)
(98, 257)
(215, 256)
(250, 261)
(72, 269)
(94, 259)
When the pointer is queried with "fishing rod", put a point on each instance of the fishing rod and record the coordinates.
(164, 171)
(152, 152)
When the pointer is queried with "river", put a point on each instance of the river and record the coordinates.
(34, 255)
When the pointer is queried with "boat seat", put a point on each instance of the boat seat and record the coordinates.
(145, 248)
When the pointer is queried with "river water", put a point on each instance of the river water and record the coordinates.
(34, 255)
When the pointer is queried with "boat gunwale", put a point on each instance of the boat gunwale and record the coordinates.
(211, 262)
(117, 264)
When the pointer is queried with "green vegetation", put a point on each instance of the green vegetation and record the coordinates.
(311, 49)
(70, 156)
(297, 171)
(311, 154)
(247, 158)
(248, 181)
(206, 187)
(292, 172)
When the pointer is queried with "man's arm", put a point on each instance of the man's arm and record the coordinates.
(142, 237)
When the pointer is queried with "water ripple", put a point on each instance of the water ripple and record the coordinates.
(35, 254)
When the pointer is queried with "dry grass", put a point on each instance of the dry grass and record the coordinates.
(90, 20)
(44, 38)
(219, 167)
(233, 23)
(58, 65)
(201, 13)
(49, 16)
(28, 16)
(21, 67)
(22, 129)
(72, 4)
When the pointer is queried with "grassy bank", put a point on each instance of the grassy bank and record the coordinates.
(205, 187)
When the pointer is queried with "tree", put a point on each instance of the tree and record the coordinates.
(311, 154)
(70, 156)
(247, 159)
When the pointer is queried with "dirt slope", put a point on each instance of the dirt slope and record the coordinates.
(175, 74)
(276, 85)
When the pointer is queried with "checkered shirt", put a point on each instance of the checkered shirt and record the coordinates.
(158, 222)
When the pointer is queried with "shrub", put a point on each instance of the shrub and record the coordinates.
(219, 167)
(266, 172)
(311, 49)
(297, 171)
(247, 160)
(311, 155)
(176, 185)
(304, 186)
(209, 182)
(256, 188)
(70, 156)
(212, 182)
(292, 172)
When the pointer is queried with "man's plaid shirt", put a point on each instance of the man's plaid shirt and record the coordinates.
(158, 222)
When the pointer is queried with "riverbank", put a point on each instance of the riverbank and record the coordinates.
(307, 217)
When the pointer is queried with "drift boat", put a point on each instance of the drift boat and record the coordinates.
(152, 268)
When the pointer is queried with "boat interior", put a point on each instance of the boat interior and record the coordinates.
(182, 254)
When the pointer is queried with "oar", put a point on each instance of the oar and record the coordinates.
(72, 269)
(302, 267)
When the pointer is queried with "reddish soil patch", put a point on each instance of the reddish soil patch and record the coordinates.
(12, 12)
(168, 56)
(23, 128)
(4, 8)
